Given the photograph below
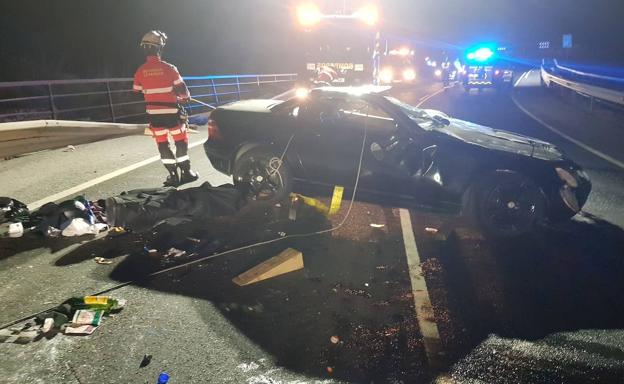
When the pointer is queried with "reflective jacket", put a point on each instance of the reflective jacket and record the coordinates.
(161, 84)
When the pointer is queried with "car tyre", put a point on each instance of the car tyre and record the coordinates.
(505, 204)
(261, 176)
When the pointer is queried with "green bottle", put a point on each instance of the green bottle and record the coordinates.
(104, 303)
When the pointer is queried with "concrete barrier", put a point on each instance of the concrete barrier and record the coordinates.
(22, 137)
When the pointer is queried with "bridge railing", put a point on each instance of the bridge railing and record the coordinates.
(589, 85)
(113, 100)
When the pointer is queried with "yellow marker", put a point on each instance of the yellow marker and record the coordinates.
(336, 200)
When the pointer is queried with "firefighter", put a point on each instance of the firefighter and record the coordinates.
(164, 90)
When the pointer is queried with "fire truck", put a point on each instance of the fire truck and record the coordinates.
(396, 65)
(338, 48)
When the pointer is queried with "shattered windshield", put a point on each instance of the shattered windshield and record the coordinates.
(419, 116)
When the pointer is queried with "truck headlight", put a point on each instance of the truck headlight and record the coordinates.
(386, 75)
(409, 75)
(567, 177)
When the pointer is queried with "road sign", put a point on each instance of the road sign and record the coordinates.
(544, 44)
(567, 41)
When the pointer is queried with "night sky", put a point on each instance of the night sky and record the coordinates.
(52, 39)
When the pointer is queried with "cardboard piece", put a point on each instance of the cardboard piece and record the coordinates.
(288, 261)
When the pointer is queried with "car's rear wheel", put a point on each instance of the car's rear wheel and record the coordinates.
(261, 175)
(507, 204)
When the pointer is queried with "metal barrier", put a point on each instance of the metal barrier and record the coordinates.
(591, 91)
(113, 100)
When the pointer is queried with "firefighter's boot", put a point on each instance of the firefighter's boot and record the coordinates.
(173, 180)
(187, 175)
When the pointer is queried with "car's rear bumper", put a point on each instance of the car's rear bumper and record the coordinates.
(220, 158)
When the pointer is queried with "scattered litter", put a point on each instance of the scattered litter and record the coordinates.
(194, 240)
(282, 234)
(147, 359)
(381, 267)
(330, 370)
(69, 148)
(72, 329)
(292, 214)
(174, 253)
(16, 229)
(102, 260)
(87, 317)
(117, 231)
(377, 225)
(163, 378)
(334, 339)
(431, 230)
(151, 252)
(366, 284)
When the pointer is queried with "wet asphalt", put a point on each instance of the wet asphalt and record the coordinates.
(546, 308)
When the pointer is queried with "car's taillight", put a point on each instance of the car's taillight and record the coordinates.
(213, 130)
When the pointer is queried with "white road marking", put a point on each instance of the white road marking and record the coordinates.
(80, 187)
(524, 75)
(570, 139)
(426, 98)
(422, 302)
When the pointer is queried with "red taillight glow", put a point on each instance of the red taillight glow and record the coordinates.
(213, 130)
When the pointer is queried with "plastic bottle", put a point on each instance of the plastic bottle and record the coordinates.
(163, 378)
(105, 303)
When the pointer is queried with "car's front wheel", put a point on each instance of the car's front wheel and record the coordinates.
(507, 204)
(261, 175)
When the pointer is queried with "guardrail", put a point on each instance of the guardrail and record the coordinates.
(589, 90)
(113, 100)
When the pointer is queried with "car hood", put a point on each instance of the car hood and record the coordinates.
(253, 105)
(495, 139)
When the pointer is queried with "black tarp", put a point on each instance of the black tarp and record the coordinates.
(141, 209)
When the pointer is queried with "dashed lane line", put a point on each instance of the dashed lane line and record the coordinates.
(87, 184)
(422, 302)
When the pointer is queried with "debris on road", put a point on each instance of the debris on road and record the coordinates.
(289, 260)
(147, 359)
(163, 378)
(377, 225)
(69, 148)
(431, 230)
(102, 260)
(334, 339)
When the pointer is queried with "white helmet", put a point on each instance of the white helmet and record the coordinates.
(154, 38)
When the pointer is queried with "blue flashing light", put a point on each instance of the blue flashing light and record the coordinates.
(481, 54)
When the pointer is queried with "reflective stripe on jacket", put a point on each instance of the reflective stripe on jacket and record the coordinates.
(161, 85)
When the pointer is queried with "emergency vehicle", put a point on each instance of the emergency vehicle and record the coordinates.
(484, 68)
(396, 65)
(338, 48)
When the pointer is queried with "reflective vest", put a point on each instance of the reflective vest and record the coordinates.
(160, 83)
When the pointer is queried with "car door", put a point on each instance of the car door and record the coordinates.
(327, 141)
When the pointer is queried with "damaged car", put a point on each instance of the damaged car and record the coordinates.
(505, 182)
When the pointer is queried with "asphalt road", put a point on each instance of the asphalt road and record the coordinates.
(546, 308)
